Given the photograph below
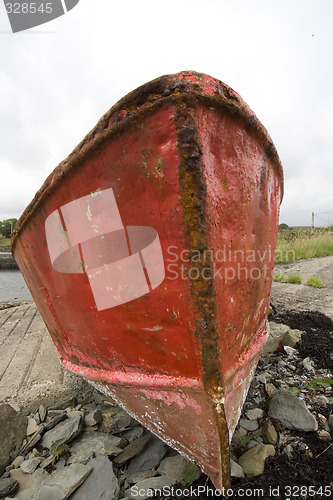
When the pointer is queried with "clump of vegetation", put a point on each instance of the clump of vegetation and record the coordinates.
(320, 384)
(296, 244)
(314, 281)
(294, 278)
(280, 277)
(58, 450)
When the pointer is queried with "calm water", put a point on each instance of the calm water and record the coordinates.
(13, 287)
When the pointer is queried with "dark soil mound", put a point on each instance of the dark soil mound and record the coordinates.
(317, 341)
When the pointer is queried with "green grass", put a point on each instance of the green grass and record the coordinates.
(280, 277)
(294, 278)
(303, 244)
(4, 242)
(314, 281)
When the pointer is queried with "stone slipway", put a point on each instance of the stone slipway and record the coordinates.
(30, 371)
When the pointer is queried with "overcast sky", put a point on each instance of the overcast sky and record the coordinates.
(58, 79)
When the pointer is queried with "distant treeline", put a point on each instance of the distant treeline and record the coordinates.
(6, 227)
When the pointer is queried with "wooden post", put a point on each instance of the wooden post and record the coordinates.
(312, 222)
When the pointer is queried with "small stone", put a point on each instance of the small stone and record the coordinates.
(291, 337)
(251, 444)
(174, 467)
(288, 450)
(34, 453)
(238, 435)
(63, 482)
(37, 418)
(115, 420)
(291, 411)
(275, 336)
(32, 426)
(17, 462)
(29, 466)
(149, 458)
(236, 469)
(308, 364)
(249, 425)
(254, 414)
(143, 489)
(8, 486)
(291, 352)
(141, 476)
(270, 389)
(253, 460)
(330, 422)
(42, 413)
(55, 420)
(132, 449)
(269, 433)
(102, 484)
(93, 418)
(324, 435)
(133, 433)
(46, 462)
(63, 433)
(261, 378)
(321, 400)
(322, 419)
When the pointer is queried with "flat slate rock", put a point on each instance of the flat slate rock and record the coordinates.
(133, 449)
(64, 432)
(101, 484)
(149, 458)
(28, 483)
(63, 482)
(92, 443)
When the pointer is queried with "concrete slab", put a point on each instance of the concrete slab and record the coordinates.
(30, 371)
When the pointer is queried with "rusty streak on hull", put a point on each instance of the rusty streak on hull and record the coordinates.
(194, 184)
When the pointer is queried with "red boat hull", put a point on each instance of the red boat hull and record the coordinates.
(164, 303)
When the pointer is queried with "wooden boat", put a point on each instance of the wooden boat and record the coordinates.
(149, 252)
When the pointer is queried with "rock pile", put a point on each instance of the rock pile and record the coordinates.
(94, 450)
(86, 450)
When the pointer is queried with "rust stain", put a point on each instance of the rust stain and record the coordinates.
(193, 200)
